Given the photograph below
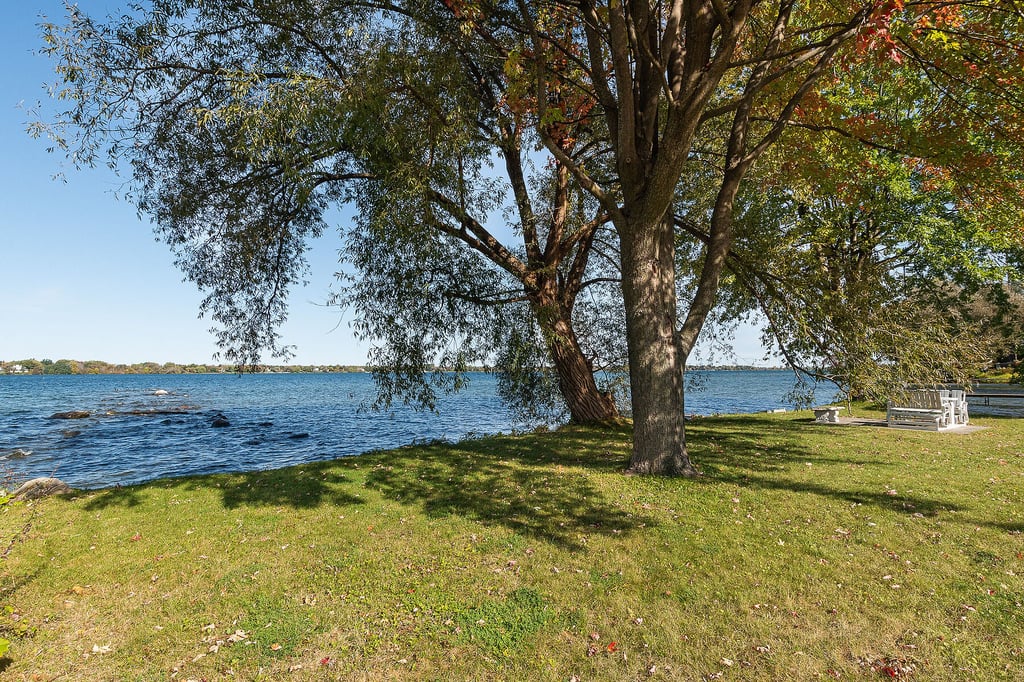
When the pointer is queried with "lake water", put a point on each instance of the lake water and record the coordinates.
(134, 435)
(1003, 407)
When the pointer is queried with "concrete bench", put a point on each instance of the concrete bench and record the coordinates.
(829, 414)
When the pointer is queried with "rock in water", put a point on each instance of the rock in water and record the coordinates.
(73, 414)
(160, 391)
(40, 487)
(220, 421)
(18, 453)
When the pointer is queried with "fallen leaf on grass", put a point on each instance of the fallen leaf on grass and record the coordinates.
(237, 636)
(275, 647)
(612, 646)
(893, 667)
(97, 649)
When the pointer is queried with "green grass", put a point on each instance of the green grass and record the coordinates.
(996, 376)
(804, 552)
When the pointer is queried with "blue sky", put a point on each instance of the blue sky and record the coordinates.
(83, 276)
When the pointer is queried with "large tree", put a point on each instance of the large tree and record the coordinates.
(244, 123)
(448, 169)
(661, 73)
(617, 93)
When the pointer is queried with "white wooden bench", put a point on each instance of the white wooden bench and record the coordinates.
(921, 409)
(956, 401)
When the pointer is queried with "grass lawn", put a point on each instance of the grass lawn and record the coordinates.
(804, 552)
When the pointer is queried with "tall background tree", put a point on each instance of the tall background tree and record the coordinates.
(879, 245)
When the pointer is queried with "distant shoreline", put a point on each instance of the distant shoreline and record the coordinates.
(99, 367)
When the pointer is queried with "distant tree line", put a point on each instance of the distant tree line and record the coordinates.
(64, 366)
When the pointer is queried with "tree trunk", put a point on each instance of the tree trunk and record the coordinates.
(655, 362)
(587, 404)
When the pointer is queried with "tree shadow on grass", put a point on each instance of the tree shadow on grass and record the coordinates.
(537, 486)
(301, 487)
(540, 485)
(1013, 528)
(118, 496)
(747, 450)
(754, 443)
(901, 503)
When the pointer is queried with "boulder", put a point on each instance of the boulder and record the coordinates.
(41, 487)
(220, 421)
(18, 453)
(72, 414)
(298, 435)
